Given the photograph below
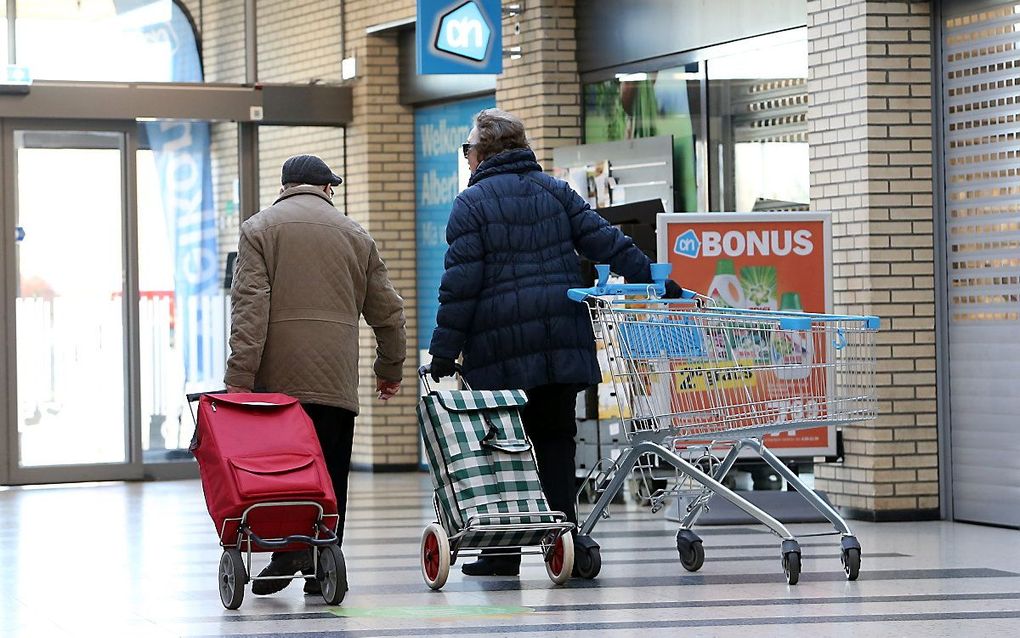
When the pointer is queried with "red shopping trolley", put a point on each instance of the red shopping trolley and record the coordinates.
(266, 487)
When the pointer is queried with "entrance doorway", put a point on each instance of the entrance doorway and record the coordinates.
(72, 207)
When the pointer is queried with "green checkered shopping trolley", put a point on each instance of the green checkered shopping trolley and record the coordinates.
(487, 490)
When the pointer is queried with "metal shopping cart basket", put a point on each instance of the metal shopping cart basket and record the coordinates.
(487, 491)
(691, 377)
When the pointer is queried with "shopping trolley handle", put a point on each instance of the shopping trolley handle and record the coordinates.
(602, 287)
(195, 396)
(425, 371)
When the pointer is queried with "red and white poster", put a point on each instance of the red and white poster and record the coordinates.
(764, 261)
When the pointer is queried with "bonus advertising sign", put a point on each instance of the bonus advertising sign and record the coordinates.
(760, 261)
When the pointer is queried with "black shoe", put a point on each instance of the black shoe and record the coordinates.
(501, 566)
(282, 565)
(312, 585)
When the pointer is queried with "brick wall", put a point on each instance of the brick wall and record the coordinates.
(871, 165)
(221, 34)
(381, 193)
(543, 87)
(299, 41)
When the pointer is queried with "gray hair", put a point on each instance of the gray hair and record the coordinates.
(499, 131)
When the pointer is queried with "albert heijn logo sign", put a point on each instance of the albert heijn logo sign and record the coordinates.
(744, 243)
(463, 36)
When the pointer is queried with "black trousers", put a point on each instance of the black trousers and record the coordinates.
(550, 423)
(335, 429)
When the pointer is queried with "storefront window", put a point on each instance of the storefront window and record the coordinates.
(758, 126)
(86, 39)
(187, 225)
(639, 105)
(755, 153)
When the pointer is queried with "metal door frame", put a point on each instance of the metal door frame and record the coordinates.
(943, 415)
(10, 472)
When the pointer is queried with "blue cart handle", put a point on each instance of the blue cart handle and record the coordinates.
(654, 290)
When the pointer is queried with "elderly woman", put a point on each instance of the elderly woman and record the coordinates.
(514, 236)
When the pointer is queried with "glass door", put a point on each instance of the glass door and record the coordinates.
(67, 190)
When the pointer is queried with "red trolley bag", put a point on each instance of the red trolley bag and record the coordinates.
(261, 450)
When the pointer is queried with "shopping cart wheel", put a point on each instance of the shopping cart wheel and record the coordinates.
(333, 571)
(691, 550)
(232, 578)
(435, 556)
(559, 562)
(851, 557)
(791, 561)
(694, 558)
(852, 563)
(587, 557)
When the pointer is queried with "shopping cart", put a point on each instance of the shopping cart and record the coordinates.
(692, 380)
(487, 491)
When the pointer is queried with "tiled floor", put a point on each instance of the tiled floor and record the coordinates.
(141, 560)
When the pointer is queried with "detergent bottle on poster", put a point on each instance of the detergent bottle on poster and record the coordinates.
(792, 350)
(759, 285)
(725, 287)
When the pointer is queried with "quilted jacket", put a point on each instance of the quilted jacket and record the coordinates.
(304, 276)
(514, 236)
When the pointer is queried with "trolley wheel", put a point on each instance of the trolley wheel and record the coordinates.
(791, 567)
(435, 556)
(333, 570)
(851, 563)
(232, 578)
(691, 550)
(693, 558)
(559, 562)
(587, 557)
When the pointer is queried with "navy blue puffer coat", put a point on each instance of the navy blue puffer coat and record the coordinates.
(514, 236)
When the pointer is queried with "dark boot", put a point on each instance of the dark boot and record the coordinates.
(493, 566)
(282, 564)
(312, 585)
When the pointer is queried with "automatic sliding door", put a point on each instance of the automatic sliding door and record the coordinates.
(70, 323)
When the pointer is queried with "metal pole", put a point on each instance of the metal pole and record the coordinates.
(247, 132)
(944, 422)
(251, 58)
(248, 169)
(8, 358)
(12, 45)
(132, 358)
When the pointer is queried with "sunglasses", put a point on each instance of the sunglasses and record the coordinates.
(466, 148)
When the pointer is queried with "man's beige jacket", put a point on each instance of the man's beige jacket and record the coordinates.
(304, 275)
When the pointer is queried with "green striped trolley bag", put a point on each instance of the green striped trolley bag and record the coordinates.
(487, 491)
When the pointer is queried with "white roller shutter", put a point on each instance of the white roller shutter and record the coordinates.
(981, 93)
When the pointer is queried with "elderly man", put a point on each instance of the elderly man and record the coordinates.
(305, 274)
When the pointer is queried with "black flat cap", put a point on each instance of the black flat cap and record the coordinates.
(308, 169)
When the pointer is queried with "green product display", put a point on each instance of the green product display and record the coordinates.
(759, 284)
(725, 267)
(791, 302)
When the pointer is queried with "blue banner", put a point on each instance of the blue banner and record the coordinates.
(184, 163)
(438, 133)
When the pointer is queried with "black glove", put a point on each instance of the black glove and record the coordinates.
(441, 367)
(673, 290)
